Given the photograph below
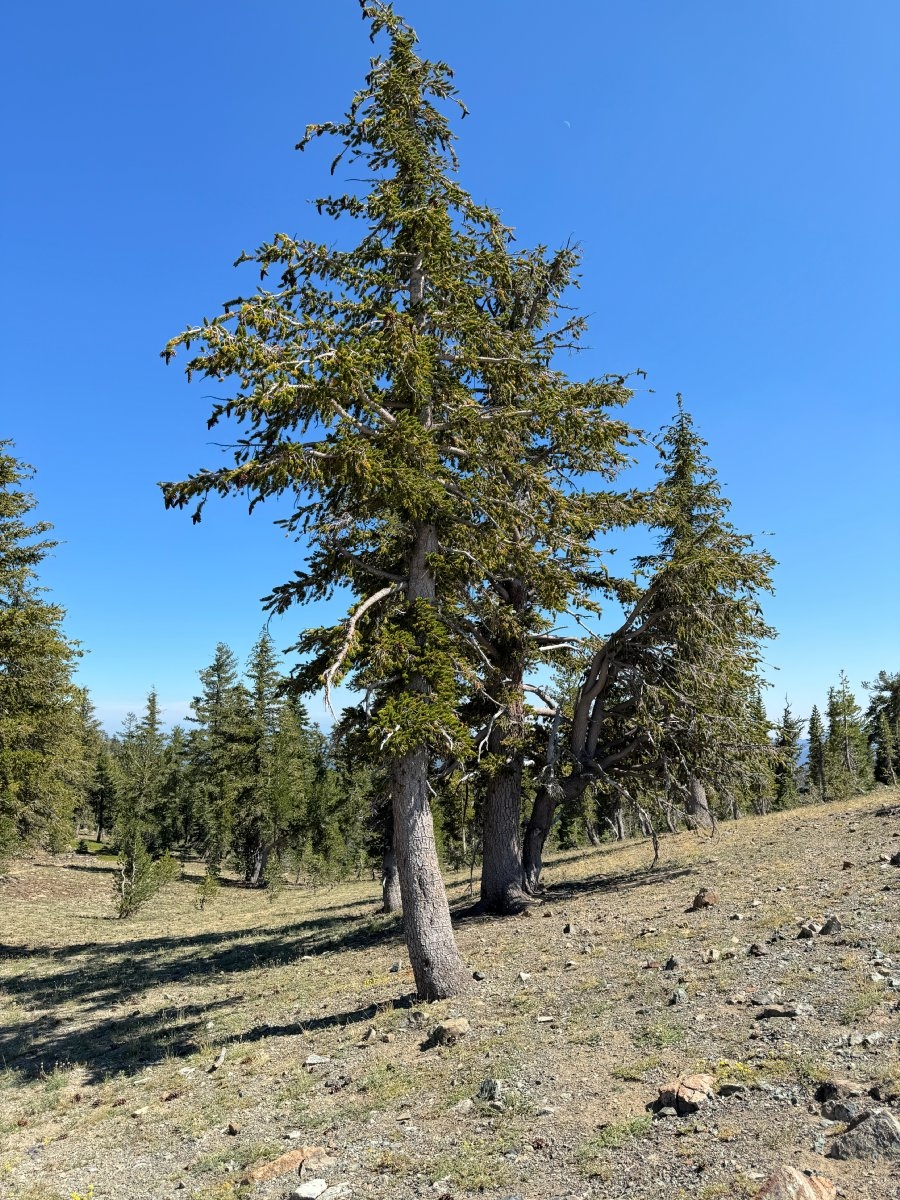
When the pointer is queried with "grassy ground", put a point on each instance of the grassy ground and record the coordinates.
(108, 1028)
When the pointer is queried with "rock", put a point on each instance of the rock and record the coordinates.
(895, 859)
(395, 968)
(757, 951)
(679, 996)
(673, 964)
(846, 865)
(291, 1160)
(478, 975)
(841, 1110)
(777, 1010)
(316, 1060)
(232, 1130)
(463, 1106)
(523, 977)
(809, 929)
(832, 925)
(838, 1089)
(874, 1134)
(567, 928)
(335, 1191)
(668, 1111)
(451, 1031)
(311, 1190)
(736, 917)
(705, 898)
(711, 955)
(686, 1095)
(790, 1184)
(491, 1089)
(220, 1058)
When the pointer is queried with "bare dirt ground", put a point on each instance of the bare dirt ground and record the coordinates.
(108, 1029)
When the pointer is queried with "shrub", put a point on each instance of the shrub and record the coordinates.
(138, 878)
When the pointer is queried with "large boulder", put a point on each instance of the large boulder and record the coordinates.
(790, 1184)
(874, 1134)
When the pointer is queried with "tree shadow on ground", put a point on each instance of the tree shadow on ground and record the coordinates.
(93, 982)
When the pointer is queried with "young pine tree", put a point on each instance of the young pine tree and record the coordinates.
(848, 759)
(883, 726)
(816, 759)
(787, 758)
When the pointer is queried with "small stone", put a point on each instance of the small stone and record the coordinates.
(491, 1089)
(757, 951)
(790, 1184)
(668, 1111)
(479, 975)
(316, 1060)
(523, 977)
(232, 1130)
(777, 1010)
(220, 1058)
(335, 1191)
(832, 925)
(846, 865)
(395, 968)
(686, 1095)
(895, 859)
(139, 1112)
(567, 928)
(451, 1031)
(387, 1037)
(679, 996)
(874, 1134)
(311, 1190)
(673, 964)
(463, 1106)
(736, 917)
(705, 898)
(712, 955)
(809, 929)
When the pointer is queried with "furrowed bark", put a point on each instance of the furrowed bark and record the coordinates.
(391, 900)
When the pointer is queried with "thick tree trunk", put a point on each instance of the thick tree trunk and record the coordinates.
(698, 806)
(390, 882)
(501, 869)
(437, 967)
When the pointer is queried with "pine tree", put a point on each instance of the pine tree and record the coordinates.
(665, 702)
(883, 726)
(42, 736)
(217, 756)
(848, 759)
(816, 757)
(381, 386)
(787, 758)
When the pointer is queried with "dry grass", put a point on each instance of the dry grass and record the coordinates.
(108, 1028)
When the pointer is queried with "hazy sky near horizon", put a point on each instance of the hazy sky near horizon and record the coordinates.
(730, 171)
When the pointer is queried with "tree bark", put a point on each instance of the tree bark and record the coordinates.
(501, 869)
(390, 882)
(437, 967)
(698, 806)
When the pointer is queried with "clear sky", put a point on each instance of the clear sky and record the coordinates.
(731, 171)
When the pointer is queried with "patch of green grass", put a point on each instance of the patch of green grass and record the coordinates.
(660, 1034)
(476, 1164)
(634, 1072)
(591, 1155)
(862, 1002)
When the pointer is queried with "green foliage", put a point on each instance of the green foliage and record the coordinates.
(787, 758)
(207, 890)
(43, 767)
(883, 726)
(138, 878)
(816, 759)
(848, 760)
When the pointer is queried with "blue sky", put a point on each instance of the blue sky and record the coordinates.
(730, 170)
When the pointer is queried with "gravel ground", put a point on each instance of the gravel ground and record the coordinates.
(110, 1030)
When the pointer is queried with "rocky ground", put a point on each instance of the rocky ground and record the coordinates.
(272, 1048)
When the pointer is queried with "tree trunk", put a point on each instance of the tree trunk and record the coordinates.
(437, 967)
(390, 882)
(257, 872)
(698, 806)
(501, 869)
(536, 832)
